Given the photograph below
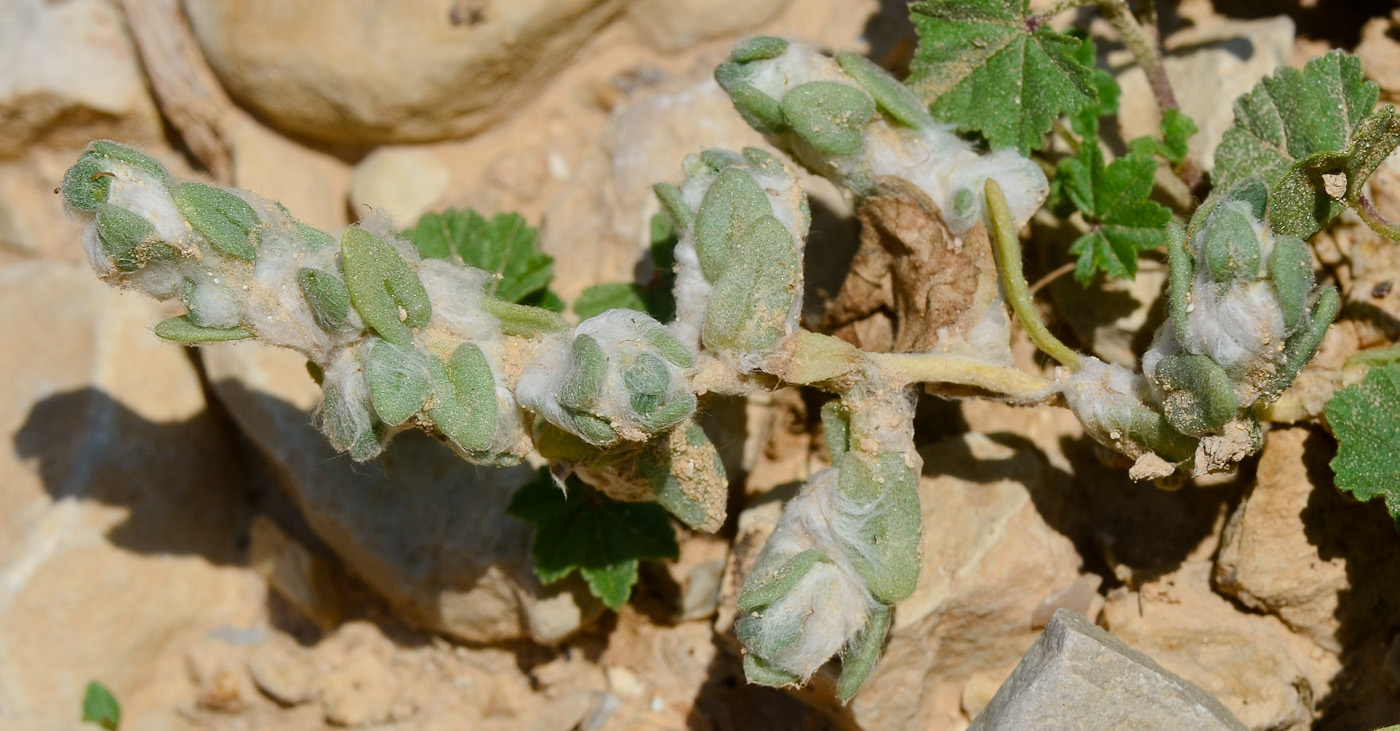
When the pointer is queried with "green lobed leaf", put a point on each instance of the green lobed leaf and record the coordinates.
(1113, 200)
(1313, 136)
(654, 296)
(1362, 417)
(101, 707)
(603, 538)
(504, 245)
(985, 66)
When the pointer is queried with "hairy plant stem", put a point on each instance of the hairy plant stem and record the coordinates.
(1007, 246)
(1375, 219)
(961, 370)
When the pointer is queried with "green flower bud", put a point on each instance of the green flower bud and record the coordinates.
(327, 296)
(1231, 245)
(230, 225)
(380, 282)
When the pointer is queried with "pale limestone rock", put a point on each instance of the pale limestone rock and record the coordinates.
(282, 671)
(361, 73)
(423, 528)
(1266, 676)
(1209, 66)
(363, 692)
(121, 502)
(312, 185)
(670, 25)
(989, 560)
(69, 73)
(1380, 56)
(1077, 677)
(1267, 560)
(402, 182)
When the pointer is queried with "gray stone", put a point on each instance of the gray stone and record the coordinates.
(423, 528)
(1077, 676)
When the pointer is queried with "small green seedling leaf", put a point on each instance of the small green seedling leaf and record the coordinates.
(1114, 201)
(585, 530)
(987, 67)
(1313, 136)
(523, 320)
(101, 707)
(230, 225)
(895, 531)
(1231, 244)
(1291, 270)
(588, 370)
(759, 48)
(182, 330)
(398, 381)
(380, 282)
(504, 245)
(1362, 417)
(327, 296)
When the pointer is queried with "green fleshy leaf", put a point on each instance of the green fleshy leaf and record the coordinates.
(829, 115)
(380, 283)
(504, 245)
(1313, 136)
(101, 707)
(182, 330)
(1362, 417)
(859, 659)
(230, 225)
(398, 381)
(327, 296)
(121, 234)
(1113, 201)
(585, 530)
(986, 68)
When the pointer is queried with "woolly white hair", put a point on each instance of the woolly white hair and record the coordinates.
(935, 159)
(828, 606)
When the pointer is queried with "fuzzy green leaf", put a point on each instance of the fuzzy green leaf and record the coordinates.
(181, 330)
(1368, 436)
(603, 538)
(1303, 132)
(985, 67)
(101, 707)
(504, 245)
(1113, 201)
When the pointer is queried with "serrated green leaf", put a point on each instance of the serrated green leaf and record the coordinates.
(654, 296)
(586, 530)
(1113, 201)
(1295, 130)
(1363, 418)
(984, 66)
(101, 707)
(504, 245)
